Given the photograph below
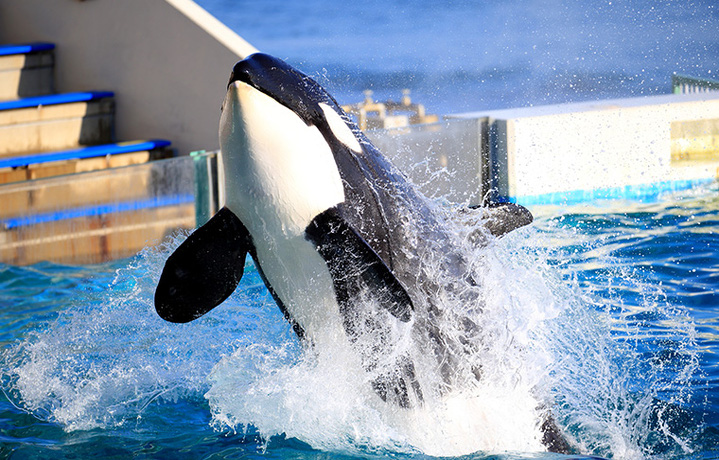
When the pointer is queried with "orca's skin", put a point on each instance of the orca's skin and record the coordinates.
(328, 220)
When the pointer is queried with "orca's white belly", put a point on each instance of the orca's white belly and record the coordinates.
(301, 280)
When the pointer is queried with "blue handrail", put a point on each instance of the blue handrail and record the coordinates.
(96, 210)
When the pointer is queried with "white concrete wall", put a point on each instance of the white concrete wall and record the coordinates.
(168, 61)
(569, 149)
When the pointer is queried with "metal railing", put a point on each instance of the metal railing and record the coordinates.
(684, 84)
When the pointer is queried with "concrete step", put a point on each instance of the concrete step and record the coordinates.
(56, 122)
(49, 164)
(26, 70)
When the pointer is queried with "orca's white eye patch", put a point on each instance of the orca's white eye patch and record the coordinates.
(340, 129)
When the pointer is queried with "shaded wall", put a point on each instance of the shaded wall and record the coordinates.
(167, 61)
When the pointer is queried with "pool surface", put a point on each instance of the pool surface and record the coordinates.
(609, 308)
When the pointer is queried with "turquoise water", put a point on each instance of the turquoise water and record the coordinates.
(617, 300)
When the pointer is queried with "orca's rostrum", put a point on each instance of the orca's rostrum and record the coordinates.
(335, 230)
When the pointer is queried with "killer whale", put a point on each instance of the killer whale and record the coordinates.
(328, 220)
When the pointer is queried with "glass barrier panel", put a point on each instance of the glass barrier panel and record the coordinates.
(443, 159)
(102, 215)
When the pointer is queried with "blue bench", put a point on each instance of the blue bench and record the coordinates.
(84, 152)
(54, 99)
(7, 50)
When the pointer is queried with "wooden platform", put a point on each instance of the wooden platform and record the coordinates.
(58, 121)
(26, 70)
(41, 165)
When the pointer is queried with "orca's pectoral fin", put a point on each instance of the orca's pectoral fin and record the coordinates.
(204, 270)
(363, 281)
(501, 218)
(355, 267)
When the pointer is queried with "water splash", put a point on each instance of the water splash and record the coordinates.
(326, 398)
(567, 327)
(108, 356)
(629, 385)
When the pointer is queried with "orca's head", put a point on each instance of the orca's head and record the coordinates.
(280, 137)
(297, 92)
(285, 84)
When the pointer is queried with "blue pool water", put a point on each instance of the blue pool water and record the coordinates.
(616, 300)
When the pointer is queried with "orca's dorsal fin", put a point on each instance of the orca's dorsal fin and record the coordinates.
(344, 250)
(204, 270)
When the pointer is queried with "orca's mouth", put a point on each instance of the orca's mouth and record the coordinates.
(243, 72)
